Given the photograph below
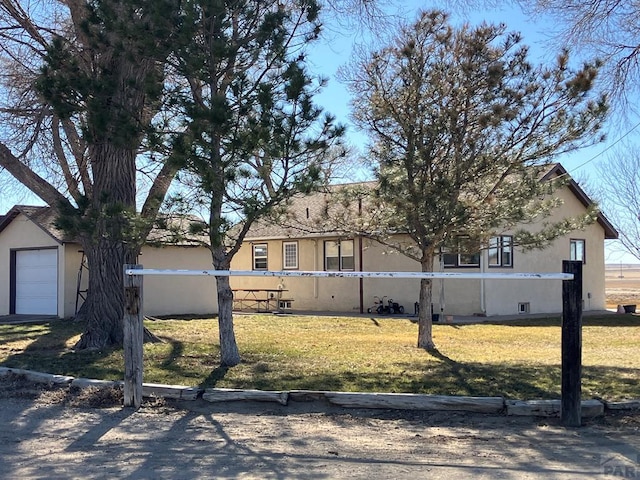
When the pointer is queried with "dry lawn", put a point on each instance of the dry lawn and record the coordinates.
(622, 285)
(516, 360)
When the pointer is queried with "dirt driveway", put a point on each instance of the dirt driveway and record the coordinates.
(61, 434)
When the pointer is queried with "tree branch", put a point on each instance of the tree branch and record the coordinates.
(30, 179)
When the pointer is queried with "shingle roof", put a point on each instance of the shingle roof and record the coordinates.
(305, 212)
(304, 216)
(43, 217)
(173, 231)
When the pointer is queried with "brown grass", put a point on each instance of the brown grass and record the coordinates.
(622, 286)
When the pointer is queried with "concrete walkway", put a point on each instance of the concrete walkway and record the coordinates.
(17, 319)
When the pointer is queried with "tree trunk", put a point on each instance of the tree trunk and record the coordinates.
(105, 302)
(103, 312)
(108, 243)
(229, 353)
(425, 320)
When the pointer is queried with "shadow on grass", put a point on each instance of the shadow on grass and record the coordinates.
(185, 317)
(448, 377)
(18, 333)
(193, 364)
(613, 320)
(177, 350)
(48, 351)
(176, 361)
(216, 375)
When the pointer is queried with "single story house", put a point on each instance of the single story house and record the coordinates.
(42, 271)
(274, 247)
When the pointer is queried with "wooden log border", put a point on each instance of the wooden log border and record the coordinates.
(401, 401)
(552, 408)
(407, 401)
(215, 395)
(37, 377)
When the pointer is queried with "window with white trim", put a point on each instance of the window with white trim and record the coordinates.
(338, 255)
(577, 250)
(501, 251)
(289, 255)
(260, 256)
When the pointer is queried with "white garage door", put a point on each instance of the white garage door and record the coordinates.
(37, 282)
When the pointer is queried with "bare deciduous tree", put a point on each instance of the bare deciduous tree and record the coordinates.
(604, 29)
(619, 194)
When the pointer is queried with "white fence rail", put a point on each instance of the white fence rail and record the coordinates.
(324, 274)
(571, 319)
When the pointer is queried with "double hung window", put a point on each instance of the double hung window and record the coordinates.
(338, 255)
(577, 250)
(260, 256)
(290, 255)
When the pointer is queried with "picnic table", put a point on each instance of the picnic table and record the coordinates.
(260, 299)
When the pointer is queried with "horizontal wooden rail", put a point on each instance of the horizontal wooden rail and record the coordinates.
(312, 274)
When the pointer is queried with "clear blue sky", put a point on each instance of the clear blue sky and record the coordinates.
(332, 52)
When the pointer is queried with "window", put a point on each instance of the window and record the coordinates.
(289, 255)
(260, 256)
(449, 259)
(524, 307)
(577, 250)
(501, 251)
(462, 258)
(338, 255)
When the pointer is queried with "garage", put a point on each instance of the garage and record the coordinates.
(36, 282)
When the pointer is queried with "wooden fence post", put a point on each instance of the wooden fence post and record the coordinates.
(133, 338)
(571, 411)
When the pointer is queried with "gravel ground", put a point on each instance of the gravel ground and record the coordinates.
(58, 433)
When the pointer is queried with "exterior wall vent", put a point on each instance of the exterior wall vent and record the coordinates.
(523, 307)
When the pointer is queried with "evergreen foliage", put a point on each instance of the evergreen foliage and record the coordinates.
(250, 134)
(462, 126)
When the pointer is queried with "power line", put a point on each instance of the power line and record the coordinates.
(608, 147)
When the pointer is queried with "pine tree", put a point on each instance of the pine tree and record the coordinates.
(461, 126)
(251, 136)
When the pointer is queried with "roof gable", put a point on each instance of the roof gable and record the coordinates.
(557, 170)
(43, 217)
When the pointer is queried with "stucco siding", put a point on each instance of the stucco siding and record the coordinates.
(545, 296)
(162, 295)
(72, 259)
(346, 294)
(331, 294)
(167, 295)
(456, 297)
